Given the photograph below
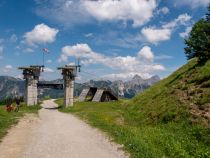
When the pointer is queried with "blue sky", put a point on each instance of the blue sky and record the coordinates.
(114, 39)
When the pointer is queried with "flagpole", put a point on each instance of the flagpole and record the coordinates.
(44, 50)
(43, 58)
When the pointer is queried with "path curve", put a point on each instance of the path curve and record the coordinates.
(57, 135)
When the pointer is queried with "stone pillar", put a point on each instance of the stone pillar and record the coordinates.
(31, 92)
(31, 75)
(68, 92)
(69, 73)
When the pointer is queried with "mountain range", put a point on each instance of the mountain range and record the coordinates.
(125, 89)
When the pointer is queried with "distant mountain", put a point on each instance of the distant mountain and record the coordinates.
(126, 89)
(10, 85)
(135, 85)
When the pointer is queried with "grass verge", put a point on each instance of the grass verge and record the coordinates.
(171, 139)
(9, 119)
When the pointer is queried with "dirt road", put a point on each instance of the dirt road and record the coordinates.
(56, 135)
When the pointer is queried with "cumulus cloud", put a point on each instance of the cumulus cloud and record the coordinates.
(78, 50)
(156, 35)
(146, 53)
(7, 68)
(70, 12)
(124, 64)
(139, 11)
(41, 34)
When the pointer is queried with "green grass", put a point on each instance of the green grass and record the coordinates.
(145, 140)
(9, 119)
(158, 122)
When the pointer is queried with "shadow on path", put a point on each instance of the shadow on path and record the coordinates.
(52, 108)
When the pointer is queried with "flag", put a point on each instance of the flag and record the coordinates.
(45, 50)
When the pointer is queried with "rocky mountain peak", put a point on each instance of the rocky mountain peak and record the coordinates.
(156, 77)
(137, 77)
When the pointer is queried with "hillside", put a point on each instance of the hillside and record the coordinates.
(184, 94)
(170, 119)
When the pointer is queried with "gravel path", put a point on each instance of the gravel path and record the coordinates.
(56, 135)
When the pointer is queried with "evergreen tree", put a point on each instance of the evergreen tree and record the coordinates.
(198, 43)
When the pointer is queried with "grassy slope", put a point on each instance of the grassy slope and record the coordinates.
(169, 119)
(9, 119)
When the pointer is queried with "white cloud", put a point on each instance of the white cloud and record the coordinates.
(7, 68)
(146, 53)
(78, 50)
(41, 34)
(139, 11)
(156, 35)
(80, 11)
(123, 64)
(65, 12)
(192, 3)
(182, 19)
(186, 33)
(163, 10)
(48, 70)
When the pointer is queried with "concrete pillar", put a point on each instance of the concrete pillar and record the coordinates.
(31, 92)
(31, 75)
(69, 73)
(68, 92)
